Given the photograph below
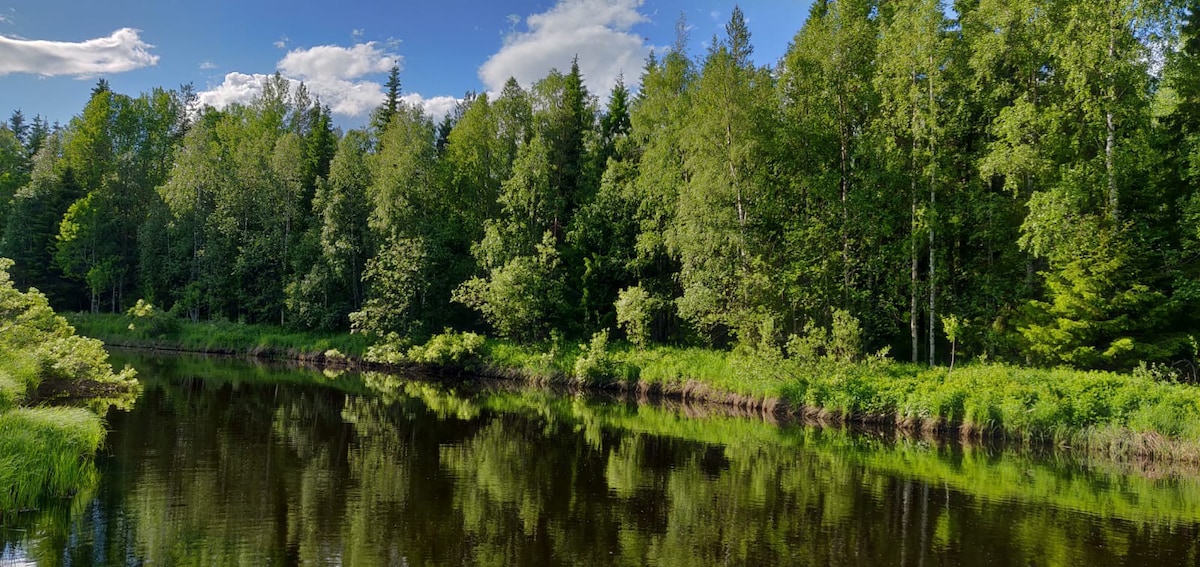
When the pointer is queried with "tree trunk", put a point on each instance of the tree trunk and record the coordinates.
(932, 283)
(845, 191)
(912, 318)
(1110, 140)
(929, 218)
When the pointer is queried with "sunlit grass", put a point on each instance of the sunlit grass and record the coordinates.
(46, 452)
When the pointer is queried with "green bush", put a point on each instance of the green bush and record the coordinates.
(149, 322)
(595, 363)
(11, 391)
(636, 310)
(840, 343)
(448, 349)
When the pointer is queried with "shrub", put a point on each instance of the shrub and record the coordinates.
(594, 361)
(635, 312)
(841, 343)
(149, 322)
(448, 349)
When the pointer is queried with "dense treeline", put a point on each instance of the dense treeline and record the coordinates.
(1017, 178)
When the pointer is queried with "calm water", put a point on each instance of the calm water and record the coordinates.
(225, 463)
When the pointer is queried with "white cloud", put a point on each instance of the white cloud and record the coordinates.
(598, 31)
(237, 88)
(281, 43)
(4, 19)
(437, 107)
(208, 66)
(336, 62)
(332, 73)
(122, 51)
(357, 33)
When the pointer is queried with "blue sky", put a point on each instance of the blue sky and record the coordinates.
(52, 52)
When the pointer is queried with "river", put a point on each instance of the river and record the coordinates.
(224, 462)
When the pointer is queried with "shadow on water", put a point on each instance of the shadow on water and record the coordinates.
(227, 463)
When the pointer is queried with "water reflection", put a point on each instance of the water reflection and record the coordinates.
(222, 463)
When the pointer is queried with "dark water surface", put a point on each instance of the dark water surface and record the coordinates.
(226, 463)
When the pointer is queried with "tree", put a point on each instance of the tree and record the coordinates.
(18, 126)
(391, 103)
(14, 170)
(615, 123)
(658, 119)
(406, 208)
(332, 288)
(829, 103)
(190, 193)
(520, 297)
(913, 54)
(565, 119)
(604, 230)
(727, 213)
(1099, 197)
(33, 222)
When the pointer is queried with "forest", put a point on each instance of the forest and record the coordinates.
(1013, 180)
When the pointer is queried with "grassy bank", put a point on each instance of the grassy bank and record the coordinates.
(1137, 415)
(218, 337)
(1120, 415)
(46, 452)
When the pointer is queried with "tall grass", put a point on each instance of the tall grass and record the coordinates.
(46, 453)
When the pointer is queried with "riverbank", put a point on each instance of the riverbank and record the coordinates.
(1122, 416)
(46, 452)
(260, 341)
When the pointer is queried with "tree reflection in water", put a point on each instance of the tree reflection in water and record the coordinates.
(222, 463)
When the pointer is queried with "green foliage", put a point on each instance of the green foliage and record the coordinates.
(148, 321)
(449, 349)
(1096, 316)
(522, 296)
(636, 310)
(45, 452)
(11, 392)
(32, 328)
(841, 343)
(1028, 166)
(398, 282)
(595, 364)
(224, 337)
(727, 210)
